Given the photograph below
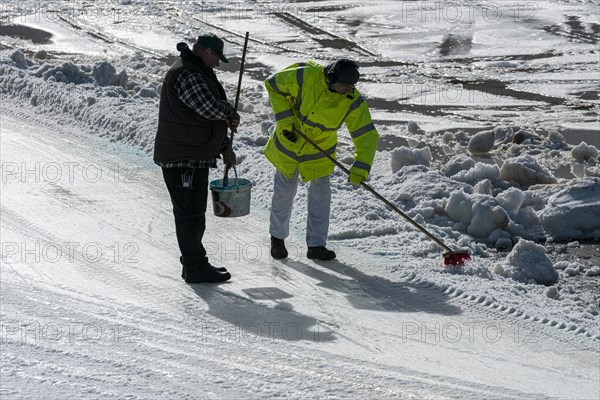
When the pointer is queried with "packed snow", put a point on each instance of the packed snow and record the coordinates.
(528, 262)
(490, 144)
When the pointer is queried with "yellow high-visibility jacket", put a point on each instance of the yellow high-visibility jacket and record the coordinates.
(301, 101)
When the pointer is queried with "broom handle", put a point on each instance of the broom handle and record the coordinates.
(376, 194)
(237, 101)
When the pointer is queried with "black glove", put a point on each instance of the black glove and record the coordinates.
(234, 121)
(289, 135)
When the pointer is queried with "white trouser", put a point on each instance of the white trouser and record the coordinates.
(319, 202)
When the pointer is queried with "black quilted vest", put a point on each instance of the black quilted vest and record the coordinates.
(182, 134)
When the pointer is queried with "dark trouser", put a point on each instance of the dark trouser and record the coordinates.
(189, 208)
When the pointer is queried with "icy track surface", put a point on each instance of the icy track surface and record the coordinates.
(106, 316)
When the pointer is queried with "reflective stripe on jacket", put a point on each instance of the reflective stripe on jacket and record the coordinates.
(301, 101)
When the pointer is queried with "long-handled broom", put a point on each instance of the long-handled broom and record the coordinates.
(451, 257)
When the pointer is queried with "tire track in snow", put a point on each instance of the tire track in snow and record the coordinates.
(327, 39)
(103, 37)
(389, 296)
(173, 12)
(529, 326)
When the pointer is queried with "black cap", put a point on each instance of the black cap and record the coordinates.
(342, 71)
(209, 40)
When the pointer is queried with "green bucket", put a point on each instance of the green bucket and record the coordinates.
(232, 200)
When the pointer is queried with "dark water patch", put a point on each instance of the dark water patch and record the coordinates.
(328, 10)
(574, 23)
(452, 112)
(562, 171)
(574, 29)
(391, 142)
(299, 23)
(470, 130)
(497, 87)
(589, 94)
(454, 44)
(36, 36)
(336, 43)
(507, 57)
(255, 70)
(423, 109)
(387, 63)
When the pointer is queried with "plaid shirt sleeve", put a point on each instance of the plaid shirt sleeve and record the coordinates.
(193, 91)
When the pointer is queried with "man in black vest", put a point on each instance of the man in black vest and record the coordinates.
(192, 132)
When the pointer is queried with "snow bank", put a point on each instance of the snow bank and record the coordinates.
(574, 212)
(97, 96)
(528, 263)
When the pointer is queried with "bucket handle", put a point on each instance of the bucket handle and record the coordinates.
(226, 181)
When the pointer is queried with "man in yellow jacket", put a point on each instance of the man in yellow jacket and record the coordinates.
(315, 100)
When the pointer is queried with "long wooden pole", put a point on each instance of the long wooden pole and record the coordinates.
(376, 194)
(237, 102)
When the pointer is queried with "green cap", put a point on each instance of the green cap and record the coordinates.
(211, 41)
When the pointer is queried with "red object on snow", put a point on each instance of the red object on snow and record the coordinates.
(456, 258)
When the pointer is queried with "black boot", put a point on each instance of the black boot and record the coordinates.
(220, 269)
(278, 250)
(204, 273)
(320, 253)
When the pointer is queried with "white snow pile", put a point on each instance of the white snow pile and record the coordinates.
(492, 210)
(504, 138)
(495, 206)
(478, 173)
(482, 142)
(568, 269)
(584, 152)
(456, 164)
(404, 156)
(534, 150)
(526, 171)
(528, 263)
(574, 212)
